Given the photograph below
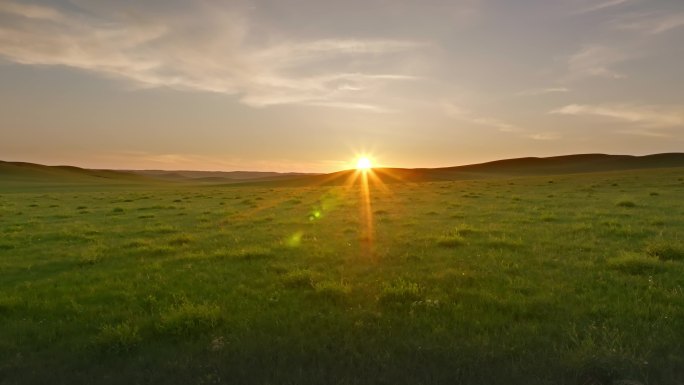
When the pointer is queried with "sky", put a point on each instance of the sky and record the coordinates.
(308, 85)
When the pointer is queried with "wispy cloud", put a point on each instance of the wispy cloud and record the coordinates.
(465, 115)
(545, 136)
(30, 11)
(213, 51)
(595, 61)
(641, 115)
(353, 106)
(648, 133)
(602, 6)
(650, 23)
(542, 91)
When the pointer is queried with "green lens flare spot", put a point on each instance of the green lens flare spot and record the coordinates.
(295, 239)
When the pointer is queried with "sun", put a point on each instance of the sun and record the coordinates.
(363, 164)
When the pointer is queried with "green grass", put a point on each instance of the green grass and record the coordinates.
(187, 318)
(665, 251)
(118, 338)
(400, 292)
(625, 203)
(635, 264)
(498, 281)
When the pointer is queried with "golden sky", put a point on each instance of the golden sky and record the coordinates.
(305, 85)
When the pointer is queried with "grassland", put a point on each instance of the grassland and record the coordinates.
(530, 280)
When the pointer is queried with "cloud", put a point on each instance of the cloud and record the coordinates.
(542, 91)
(646, 133)
(642, 115)
(595, 61)
(462, 114)
(352, 106)
(30, 11)
(215, 50)
(650, 23)
(457, 112)
(545, 136)
(602, 6)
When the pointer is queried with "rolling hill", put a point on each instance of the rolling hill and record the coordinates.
(217, 176)
(17, 173)
(22, 172)
(518, 167)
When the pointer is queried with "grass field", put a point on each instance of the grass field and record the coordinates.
(535, 280)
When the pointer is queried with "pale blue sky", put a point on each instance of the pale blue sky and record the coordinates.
(304, 85)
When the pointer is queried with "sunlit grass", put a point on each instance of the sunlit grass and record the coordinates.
(495, 281)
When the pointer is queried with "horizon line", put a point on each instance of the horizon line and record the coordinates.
(332, 172)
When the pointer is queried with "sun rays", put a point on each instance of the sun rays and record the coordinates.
(370, 184)
(368, 180)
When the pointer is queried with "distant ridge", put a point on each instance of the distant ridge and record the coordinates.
(213, 176)
(30, 173)
(529, 166)
(570, 164)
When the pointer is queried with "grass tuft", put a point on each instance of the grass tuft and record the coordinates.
(451, 240)
(120, 338)
(331, 290)
(464, 230)
(158, 250)
(137, 243)
(254, 252)
(181, 240)
(665, 251)
(625, 203)
(299, 279)
(635, 264)
(89, 260)
(248, 252)
(161, 229)
(400, 292)
(8, 304)
(455, 237)
(504, 243)
(189, 318)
